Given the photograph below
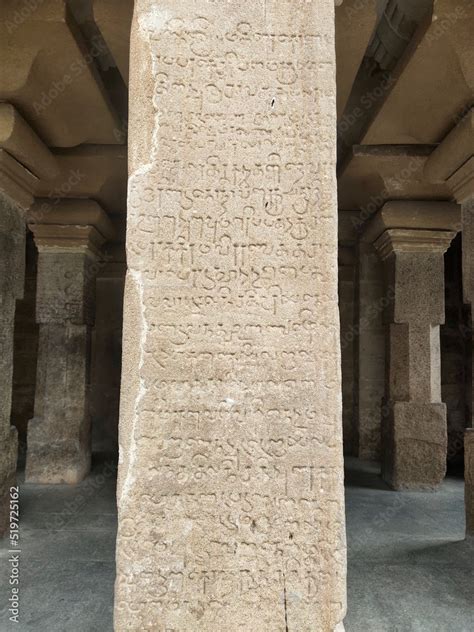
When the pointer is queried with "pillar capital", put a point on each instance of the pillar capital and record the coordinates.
(452, 161)
(412, 218)
(69, 226)
(395, 241)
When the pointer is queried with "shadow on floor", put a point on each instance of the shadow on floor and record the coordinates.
(409, 567)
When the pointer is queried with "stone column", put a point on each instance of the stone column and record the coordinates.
(68, 240)
(469, 480)
(411, 238)
(12, 269)
(452, 163)
(24, 159)
(230, 493)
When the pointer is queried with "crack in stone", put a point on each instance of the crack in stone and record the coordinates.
(285, 604)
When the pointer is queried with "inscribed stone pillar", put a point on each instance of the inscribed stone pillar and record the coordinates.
(12, 270)
(469, 480)
(370, 352)
(230, 491)
(414, 432)
(68, 259)
(24, 160)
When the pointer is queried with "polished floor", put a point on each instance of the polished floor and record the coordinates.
(409, 568)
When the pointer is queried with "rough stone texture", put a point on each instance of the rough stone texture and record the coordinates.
(469, 480)
(59, 434)
(12, 272)
(230, 495)
(414, 432)
(370, 352)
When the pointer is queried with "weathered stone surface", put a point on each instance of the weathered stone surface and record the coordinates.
(12, 270)
(59, 433)
(230, 479)
(414, 432)
(469, 480)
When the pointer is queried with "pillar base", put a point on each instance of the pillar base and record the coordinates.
(414, 443)
(59, 463)
(8, 460)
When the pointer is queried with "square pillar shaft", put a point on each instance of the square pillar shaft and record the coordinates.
(12, 273)
(414, 432)
(59, 434)
(230, 495)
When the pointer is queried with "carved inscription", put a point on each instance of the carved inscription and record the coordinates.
(230, 491)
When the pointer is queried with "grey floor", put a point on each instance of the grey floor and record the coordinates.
(409, 568)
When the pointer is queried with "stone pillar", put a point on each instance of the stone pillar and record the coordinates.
(469, 480)
(230, 494)
(12, 269)
(370, 351)
(68, 241)
(24, 159)
(411, 238)
(452, 163)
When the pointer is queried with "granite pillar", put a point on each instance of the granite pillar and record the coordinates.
(452, 163)
(230, 492)
(59, 446)
(414, 431)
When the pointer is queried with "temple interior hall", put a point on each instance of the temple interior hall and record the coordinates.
(405, 171)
